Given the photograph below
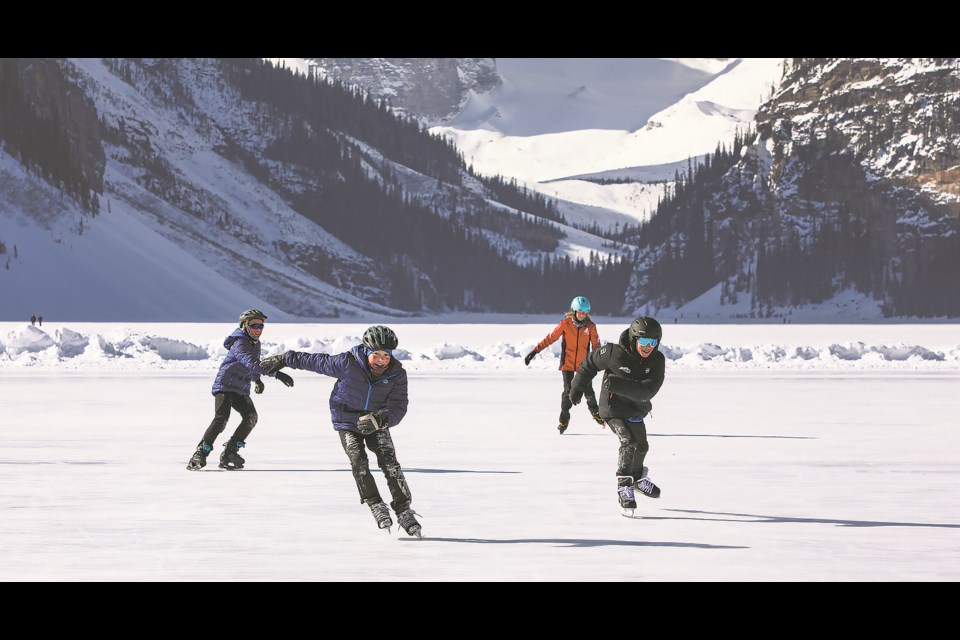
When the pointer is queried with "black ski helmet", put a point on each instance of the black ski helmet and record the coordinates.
(645, 327)
(250, 314)
(380, 337)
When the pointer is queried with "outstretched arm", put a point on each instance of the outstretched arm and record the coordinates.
(322, 363)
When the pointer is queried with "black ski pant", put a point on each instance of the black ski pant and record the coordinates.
(381, 444)
(223, 403)
(633, 446)
(565, 403)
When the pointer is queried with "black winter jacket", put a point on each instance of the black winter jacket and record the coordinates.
(629, 381)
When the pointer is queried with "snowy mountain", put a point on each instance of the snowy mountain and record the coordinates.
(143, 189)
(846, 198)
(228, 184)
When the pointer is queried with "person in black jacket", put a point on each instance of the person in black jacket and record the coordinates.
(633, 373)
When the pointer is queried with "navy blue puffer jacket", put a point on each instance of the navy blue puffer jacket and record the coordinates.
(356, 391)
(240, 367)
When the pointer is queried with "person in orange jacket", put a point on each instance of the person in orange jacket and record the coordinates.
(579, 336)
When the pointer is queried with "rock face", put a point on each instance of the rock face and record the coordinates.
(433, 89)
(51, 125)
(849, 183)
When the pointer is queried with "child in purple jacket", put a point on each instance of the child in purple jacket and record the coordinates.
(369, 397)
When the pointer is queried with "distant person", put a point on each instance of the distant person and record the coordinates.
(633, 374)
(579, 335)
(40, 320)
(367, 401)
(231, 390)
(33, 320)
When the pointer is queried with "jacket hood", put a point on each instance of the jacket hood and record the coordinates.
(233, 337)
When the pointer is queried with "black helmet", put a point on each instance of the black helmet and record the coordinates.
(645, 327)
(380, 337)
(250, 314)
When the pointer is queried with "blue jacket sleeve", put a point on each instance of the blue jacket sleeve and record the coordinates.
(245, 354)
(328, 365)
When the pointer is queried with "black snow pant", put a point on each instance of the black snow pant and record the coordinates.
(381, 444)
(565, 403)
(223, 403)
(633, 446)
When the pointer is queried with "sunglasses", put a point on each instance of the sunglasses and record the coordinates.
(647, 342)
(258, 325)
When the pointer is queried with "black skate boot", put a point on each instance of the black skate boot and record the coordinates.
(562, 427)
(625, 491)
(596, 418)
(405, 516)
(199, 459)
(646, 487)
(381, 513)
(230, 459)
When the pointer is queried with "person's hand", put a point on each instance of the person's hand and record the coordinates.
(257, 386)
(274, 363)
(529, 357)
(369, 423)
(284, 378)
(576, 395)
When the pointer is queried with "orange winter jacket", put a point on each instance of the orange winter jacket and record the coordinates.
(576, 344)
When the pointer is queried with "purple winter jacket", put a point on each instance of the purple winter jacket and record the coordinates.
(356, 391)
(240, 367)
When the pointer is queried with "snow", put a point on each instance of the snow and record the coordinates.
(828, 454)
(428, 348)
(558, 118)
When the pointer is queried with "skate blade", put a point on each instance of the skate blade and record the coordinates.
(627, 513)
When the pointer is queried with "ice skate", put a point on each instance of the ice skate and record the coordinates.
(625, 492)
(596, 418)
(409, 522)
(199, 459)
(381, 513)
(230, 459)
(562, 427)
(645, 486)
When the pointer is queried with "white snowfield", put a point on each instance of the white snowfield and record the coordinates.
(445, 347)
(835, 460)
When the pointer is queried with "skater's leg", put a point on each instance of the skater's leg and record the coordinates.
(633, 446)
(221, 404)
(381, 443)
(359, 465)
(244, 406)
(565, 403)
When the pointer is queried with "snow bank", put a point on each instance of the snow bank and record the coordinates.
(200, 347)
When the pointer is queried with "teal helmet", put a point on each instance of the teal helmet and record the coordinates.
(250, 314)
(380, 337)
(580, 304)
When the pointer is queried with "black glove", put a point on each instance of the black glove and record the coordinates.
(284, 378)
(529, 357)
(372, 422)
(274, 363)
(257, 386)
(576, 395)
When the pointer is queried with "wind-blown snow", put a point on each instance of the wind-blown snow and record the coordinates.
(426, 348)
